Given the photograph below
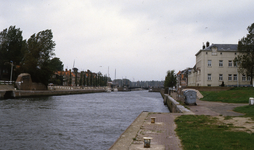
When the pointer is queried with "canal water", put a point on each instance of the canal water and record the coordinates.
(84, 121)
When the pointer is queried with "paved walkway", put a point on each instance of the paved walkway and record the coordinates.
(215, 108)
(162, 132)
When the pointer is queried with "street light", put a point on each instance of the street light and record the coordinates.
(11, 70)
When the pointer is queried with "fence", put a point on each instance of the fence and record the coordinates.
(6, 82)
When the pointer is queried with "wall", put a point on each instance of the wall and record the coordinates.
(29, 93)
(192, 78)
(208, 88)
(2, 93)
(6, 87)
(174, 106)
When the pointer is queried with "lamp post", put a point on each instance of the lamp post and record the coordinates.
(11, 71)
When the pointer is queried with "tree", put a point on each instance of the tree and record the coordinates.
(245, 59)
(38, 50)
(100, 79)
(170, 79)
(10, 50)
(56, 64)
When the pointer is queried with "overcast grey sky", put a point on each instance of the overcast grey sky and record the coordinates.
(141, 39)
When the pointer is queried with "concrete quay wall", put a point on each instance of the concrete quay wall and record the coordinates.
(2, 93)
(126, 138)
(6, 87)
(174, 106)
(32, 93)
(24, 93)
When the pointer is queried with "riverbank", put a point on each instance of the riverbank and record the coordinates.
(4, 94)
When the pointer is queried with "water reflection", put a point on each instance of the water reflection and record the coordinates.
(87, 121)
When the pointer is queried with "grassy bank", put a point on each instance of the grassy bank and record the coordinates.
(234, 95)
(206, 132)
(247, 110)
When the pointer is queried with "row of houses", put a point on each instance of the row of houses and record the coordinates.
(214, 67)
(75, 78)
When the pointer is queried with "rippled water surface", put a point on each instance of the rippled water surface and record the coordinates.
(85, 121)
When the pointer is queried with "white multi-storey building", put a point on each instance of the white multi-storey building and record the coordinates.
(214, 65)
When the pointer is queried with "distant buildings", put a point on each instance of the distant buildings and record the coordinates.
(88, 78)
(182, 77)
(75, 78)
(68, 77)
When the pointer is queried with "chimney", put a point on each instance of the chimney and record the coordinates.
(207, 44)
(203, 45)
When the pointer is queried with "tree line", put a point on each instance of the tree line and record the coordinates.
(33, 55)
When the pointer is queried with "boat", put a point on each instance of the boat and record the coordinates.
(108, 89)
(115, 90)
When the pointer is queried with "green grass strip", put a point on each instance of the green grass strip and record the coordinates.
(202, 133)
(247, 110)
(234, 95)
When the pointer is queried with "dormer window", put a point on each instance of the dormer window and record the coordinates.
(214, 51)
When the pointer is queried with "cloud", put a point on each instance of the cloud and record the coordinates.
(140, 39)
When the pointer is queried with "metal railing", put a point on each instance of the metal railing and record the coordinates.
(6, 82)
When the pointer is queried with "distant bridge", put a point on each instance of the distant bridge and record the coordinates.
(138, 87)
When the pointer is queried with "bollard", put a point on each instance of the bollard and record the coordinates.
(152, 119)
(251, 101)
(147, 142)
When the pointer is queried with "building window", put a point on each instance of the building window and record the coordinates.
(206, 53)
(230, 63)
(220, 53)
(235, 77)
(209, 77)
(243, 77)
(229, 77)
(209, 63)
(221, 63)
(220, 77)
(209, 85)
(235, 64)
(248, 78)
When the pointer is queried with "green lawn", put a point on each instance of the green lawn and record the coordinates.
(248, 110)
(234, 95)
(206, 132)
(203, 132)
